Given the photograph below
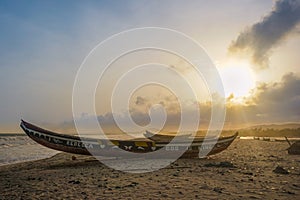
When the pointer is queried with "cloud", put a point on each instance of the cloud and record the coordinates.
(269, 103)
(275, 102)
(280, 100)
(258, 40)
(140, 101)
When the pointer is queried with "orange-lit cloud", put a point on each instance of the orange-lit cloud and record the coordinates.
(269, 102)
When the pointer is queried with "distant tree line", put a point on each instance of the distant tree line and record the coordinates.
(270, 132)
(260, 132)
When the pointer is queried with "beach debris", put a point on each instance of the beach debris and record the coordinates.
(224, 164)
(218, 189)
(204, 187)
(294, 149)
(280, 170)
(248, 173)
(74, 182)
(30, 178)
(290, 192)
(133, 184)
(287, 140)
(102, 185)
(164, 195)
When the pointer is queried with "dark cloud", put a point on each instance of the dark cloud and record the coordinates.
(258, 40)
(269, 103)
(280, 100)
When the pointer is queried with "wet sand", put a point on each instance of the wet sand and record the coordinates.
(244, 171)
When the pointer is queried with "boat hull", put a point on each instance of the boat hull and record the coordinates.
(142, 147)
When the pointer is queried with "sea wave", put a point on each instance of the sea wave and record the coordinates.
(15, 149)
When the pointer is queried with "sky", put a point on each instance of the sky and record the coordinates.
(254, 44)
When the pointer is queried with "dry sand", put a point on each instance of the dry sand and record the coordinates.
(246, 173)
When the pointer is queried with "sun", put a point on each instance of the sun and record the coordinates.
(238, 78)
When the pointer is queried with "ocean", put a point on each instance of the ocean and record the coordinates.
(20, 148)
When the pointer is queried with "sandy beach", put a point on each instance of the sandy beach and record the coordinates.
(244, 171)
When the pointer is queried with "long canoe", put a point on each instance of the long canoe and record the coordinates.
(115, 148)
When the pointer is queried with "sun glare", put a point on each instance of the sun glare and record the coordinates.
(238, 78)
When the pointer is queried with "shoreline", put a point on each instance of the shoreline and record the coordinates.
(269, 139)
(245, 170)
(29, 160)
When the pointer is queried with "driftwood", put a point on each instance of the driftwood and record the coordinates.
(287, 140)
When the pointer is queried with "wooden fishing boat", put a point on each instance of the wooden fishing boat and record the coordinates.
(117, 148)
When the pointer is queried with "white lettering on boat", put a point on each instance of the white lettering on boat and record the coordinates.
(206, 147)
(172, 148)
